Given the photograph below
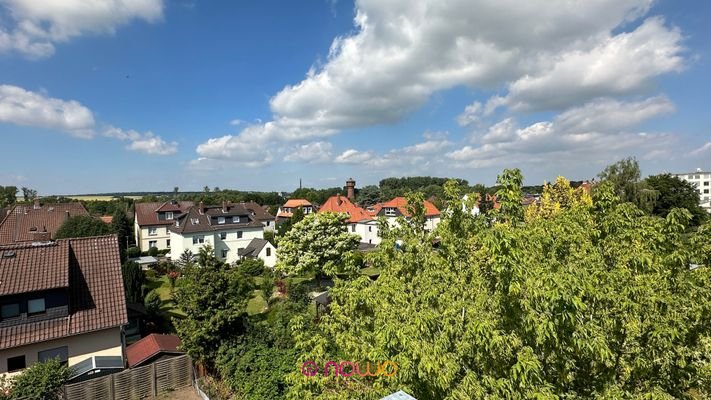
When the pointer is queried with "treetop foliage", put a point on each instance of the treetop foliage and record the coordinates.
(584, 300)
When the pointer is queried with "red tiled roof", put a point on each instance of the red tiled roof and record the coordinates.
(293, 203)
(149, 346)
(107, 219)
(28, 268)
(96, 293)
(401, 204)
(341, 204)
(147, 213)
(24, 221)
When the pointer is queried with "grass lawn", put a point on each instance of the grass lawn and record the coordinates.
(161, 285)
(257, 304)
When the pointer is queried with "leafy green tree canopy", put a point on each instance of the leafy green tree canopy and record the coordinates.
(589, 302)
(83, 226)
(319, 243)
(676, 193)
(42, 380)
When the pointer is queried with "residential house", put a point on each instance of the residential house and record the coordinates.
(37, 222)
(359, 221)
(260, 214)
(398, 207)
(62, 299)
(259, 248)
(152, 220)
(287, 210)
(227, 228)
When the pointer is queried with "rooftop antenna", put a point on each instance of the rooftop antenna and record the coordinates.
(299, 183)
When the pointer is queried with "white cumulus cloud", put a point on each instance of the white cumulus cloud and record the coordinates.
(40, 24)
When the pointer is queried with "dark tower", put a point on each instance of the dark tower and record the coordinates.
(350, 189)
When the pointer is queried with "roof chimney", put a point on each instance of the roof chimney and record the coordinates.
(225, 206)
(37, 204)
(350, 189)
(201, 207)
(66, 214)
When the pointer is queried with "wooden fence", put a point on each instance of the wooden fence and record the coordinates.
(136, 383)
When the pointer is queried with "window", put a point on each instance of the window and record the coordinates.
(269, 223)
(691, 177)
(152, 231)
(169, 215)
(706, 191)
(224, 253)
(220, 220)
(390, 212)
(223, 235)
(235, 220)
(194, 221)
(15, 363)
(269, 251)
(35, 306)
(62, 353)
(10, 310)
(198, 239)
(370, 229)
(706, 183)
(167, 243)
(152, 243)
(353, 228)
(239, 234)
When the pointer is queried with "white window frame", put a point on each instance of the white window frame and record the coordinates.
(235, 219)
(152, 231)
(198, 239)
(169, 215)
(390, 211)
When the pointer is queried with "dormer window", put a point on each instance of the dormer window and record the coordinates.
(220, 220)
(35, 306)
(169, 215)
(10, 310)
(390, 211)
(235, 220)
(194, 221)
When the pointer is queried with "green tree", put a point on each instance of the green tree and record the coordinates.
(320, 244)
(122, 227)
(186, 259)
(368, 195)
(153, 303)
(133, 281)
(41, 381)
(676, 193)
(28, 194)
(251, 266)
(624, 176)
(510, 195)
(286, 226)
(82, 226)
(8, 195)
(592, 302)
(213, 297)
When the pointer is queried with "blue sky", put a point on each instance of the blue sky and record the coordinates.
(146, 95)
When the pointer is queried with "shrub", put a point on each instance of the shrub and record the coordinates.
(133, 252)
(153, 303)
(41, 381)
(150, 274)
(153, 252)
(252, 266)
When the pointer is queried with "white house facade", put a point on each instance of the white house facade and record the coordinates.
(702, 180)
(229, 229)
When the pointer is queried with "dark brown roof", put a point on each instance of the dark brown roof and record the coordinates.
(194, 222)
(253, 249)
(149, 346)
(27, 268)
(23, 221)
(147, 213)
(260, 213)
(96, 294)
